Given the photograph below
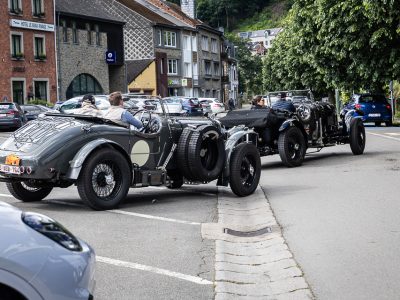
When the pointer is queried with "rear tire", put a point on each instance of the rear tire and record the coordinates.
(292, 147)
(245, 169)
(176, 180)
(182, 153)
(388, 123)
(357, 136)
(27, 192)
(378, 124)
(104, 180)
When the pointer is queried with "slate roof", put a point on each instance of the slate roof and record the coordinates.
(135, 67)
(85, 8)
(260, 33)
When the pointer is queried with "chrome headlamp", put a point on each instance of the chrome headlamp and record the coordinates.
(52, 229)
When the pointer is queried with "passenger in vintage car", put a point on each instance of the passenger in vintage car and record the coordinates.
(89, 107)
(117, 113)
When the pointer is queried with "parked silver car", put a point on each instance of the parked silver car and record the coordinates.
(73, 104)
(40, 259)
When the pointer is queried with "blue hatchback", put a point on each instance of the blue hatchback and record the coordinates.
(374, 108)
(192, 106)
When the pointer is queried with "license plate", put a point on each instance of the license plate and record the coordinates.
(10, 169)
(374, 115)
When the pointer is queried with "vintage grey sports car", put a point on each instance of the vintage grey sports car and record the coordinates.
(104, 158)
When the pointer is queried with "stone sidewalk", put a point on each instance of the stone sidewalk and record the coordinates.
(252, 266)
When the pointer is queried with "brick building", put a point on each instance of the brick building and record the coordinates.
(27, 52)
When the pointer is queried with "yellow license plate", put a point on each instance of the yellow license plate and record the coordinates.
(12, 160)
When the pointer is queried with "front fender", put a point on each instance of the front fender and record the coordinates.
(79, 158)
(288, 123)
(237, 135)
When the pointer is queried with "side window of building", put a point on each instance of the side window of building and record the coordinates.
(89, 33)
(207, 67)
(64, 30)
(18, 90)
(194, 43)
(40, 89)
(98, 35)
(15, 6)
(38, 8)
(75, 39)
(204, 43)
(216, 69)
(172, 66)
(170, 39)
(17, 47)
(159, 37)
(39, 47)
(214, 46)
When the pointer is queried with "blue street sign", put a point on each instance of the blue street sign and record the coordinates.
(111, 57)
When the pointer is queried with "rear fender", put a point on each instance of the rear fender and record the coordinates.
(80, 157)
(237, 135)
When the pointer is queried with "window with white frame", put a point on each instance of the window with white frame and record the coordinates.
(214, 46)
(15, 6)
(18, 90)
(39, 47)
(170, 38)
(207, 67)
(186, 70)
(159, 38)
(186, 42)
(17, 49)
(37, 8)
(194, 43)
(204, 43)
(172, 66)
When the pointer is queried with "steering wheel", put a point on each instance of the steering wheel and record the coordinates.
(145, 120)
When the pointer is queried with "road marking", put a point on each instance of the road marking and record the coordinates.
(136, 266)
(122, 212)
(393, 133)
(6, 195)
(385, 136)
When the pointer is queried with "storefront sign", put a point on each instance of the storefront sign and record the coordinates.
(31, 25)
(111, 57)
(184, 82)
(174, 81)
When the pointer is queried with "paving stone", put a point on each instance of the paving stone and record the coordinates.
(280, 274)
(244, 289)
(304, 294)
(288, 285)
(253, 260)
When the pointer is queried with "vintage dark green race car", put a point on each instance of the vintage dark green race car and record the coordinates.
(104, 159)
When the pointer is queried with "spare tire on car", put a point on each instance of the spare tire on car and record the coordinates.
(201, 153)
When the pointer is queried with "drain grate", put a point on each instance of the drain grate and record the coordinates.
(248, 233)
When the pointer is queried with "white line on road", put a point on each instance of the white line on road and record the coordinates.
(385, 136)
(6, 195)
(136, 266)
(122, 212)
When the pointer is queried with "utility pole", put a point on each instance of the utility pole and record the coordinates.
(391, 98)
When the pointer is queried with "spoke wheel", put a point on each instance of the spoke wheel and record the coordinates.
(27, 192)
(105, 179)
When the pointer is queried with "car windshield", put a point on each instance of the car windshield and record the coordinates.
(373, 98)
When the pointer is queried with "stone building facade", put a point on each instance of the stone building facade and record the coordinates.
(27, 52)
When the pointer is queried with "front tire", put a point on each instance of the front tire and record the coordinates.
(292, 147)
(388, 123)
(104, 180)
(27, 192)
(357, 136)
(245, 169)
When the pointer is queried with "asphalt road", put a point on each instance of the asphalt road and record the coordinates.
(340, 216)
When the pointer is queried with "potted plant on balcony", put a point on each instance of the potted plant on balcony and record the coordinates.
(16, 11)
(40, 14)
(41, 56)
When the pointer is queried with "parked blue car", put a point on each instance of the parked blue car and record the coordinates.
(40, 259)
(192, 106)
(373, 108)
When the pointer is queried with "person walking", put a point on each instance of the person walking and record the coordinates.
(117, 112)
(231, 104)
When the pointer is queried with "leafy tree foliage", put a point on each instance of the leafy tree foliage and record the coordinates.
(347, 44)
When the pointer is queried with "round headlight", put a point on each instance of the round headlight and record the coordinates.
(51, 229)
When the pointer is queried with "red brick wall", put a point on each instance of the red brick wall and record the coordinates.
(28, 68)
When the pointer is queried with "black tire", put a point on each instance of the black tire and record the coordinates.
(245, 169)
(27, 192)
(388, 123)
(206, 153)
(176, 180)
(292, 147)
(378, 124)
(357, 136)
(92, 183)
(182, 154)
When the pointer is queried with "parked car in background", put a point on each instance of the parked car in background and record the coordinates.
(71, 105)
(11, 115)
(172, 105)
(192, 106)
(32, 111)
(374, 108)
(205, 105)
(40, 259)
(216, 106)
(141, 101)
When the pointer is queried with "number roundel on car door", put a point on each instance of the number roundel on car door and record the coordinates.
(140, 153)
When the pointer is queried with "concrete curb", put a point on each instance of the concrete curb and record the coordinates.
(257, 267)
